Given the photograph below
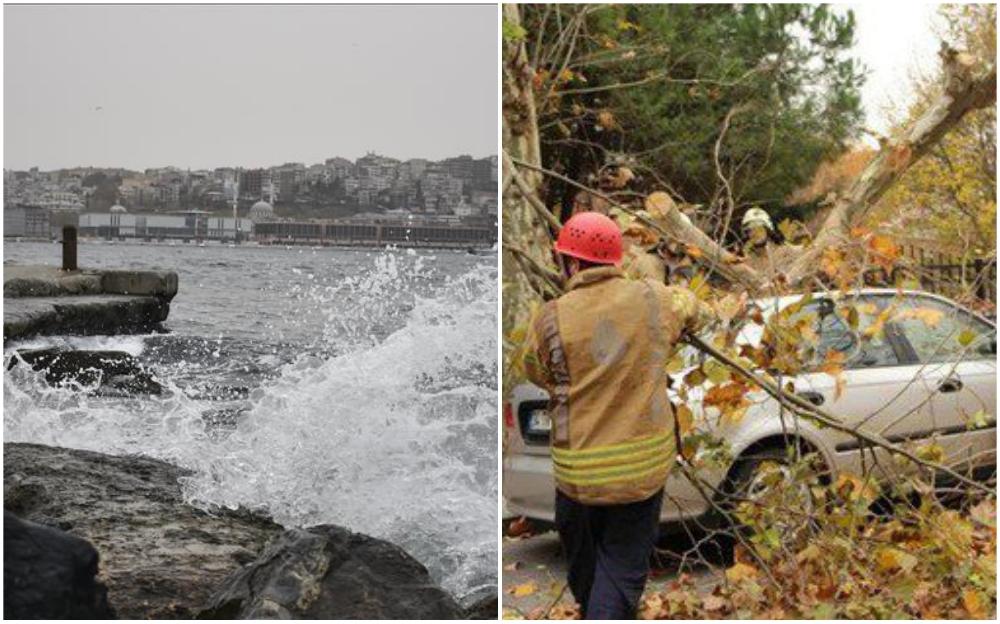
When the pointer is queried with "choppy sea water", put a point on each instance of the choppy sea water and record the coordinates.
(358, 387)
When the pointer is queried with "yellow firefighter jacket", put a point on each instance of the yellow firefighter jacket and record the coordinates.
(601, 351)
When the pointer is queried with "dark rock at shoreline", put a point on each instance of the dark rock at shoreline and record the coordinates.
(160, 558)
(481, 604)
(329, 572)
(117, 372)
(86, 315)
(49, 574)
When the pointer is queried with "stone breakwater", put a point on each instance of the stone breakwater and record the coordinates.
(47, 300)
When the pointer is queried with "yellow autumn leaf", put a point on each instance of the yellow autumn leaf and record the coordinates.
(734, 414)
(716, 372)
(522, 590)
(831, 261)
(853, 488)
(833, 363)
(685, 418)
(884, 247)
(740, 572)
(606, 119)
(928, 316)
(890, 559)
(931, 452)
(676, 364)
(875, 329)
(973, 602)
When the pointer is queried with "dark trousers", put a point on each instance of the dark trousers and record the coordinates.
(608, 547)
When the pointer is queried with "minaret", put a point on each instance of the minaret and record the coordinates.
(236, 202)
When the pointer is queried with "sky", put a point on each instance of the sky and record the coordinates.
(211, 86)
(893, 40)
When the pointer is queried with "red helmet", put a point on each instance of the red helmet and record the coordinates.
(591, 236)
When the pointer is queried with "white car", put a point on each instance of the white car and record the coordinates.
(930, 375)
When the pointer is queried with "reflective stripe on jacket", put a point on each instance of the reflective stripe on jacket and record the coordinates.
(601, 351)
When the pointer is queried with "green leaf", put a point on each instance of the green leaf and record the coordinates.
(513, 32)
(716, 372)
(979, 420)
(823, 611)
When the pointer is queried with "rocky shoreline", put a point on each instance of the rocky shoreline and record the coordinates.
(158, 557)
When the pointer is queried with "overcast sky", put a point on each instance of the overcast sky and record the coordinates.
(209, 86)
(893, 41)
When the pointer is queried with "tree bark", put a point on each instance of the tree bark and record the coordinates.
(522, 224)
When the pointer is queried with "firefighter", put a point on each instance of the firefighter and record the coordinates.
(601, 351)
(757, 228)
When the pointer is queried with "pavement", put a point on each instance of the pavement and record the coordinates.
(534, 574)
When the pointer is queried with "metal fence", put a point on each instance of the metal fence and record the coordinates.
(976, 279)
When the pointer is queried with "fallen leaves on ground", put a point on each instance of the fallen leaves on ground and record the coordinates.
(926, 562)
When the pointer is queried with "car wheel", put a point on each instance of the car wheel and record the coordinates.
(772, 492)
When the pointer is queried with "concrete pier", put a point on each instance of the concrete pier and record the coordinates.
(49, 300)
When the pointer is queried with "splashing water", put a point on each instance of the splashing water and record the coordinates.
(391, 433)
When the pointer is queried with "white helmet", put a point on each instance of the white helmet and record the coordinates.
(755, 217)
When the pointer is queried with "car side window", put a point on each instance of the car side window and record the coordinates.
(941, 332)
(834, 333)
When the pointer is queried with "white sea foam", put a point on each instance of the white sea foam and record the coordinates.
(394, 436)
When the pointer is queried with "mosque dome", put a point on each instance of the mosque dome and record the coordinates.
(118, 208)
(261, 211)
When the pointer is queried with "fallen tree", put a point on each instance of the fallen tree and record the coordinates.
(837, 255)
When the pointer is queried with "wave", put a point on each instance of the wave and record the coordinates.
(394, 435)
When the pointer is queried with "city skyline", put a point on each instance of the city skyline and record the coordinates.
(459, 185)
(272, 165)
(108, 86)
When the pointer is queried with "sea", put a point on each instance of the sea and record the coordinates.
(355, 387)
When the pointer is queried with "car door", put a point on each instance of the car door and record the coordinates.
(874, 394)
(956, 355)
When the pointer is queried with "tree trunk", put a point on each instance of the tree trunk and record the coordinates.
(522, 224)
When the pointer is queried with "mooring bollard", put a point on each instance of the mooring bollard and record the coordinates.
(69, 248)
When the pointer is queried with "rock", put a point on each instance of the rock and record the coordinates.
(49, 574)
(160, 558)
(481, 604)
(329, 572)
(162, 284)
(86, 314)
(117, 372)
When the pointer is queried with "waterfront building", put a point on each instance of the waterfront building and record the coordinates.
(261, 211)
(26, 221)
(187, 225)
(375, 230)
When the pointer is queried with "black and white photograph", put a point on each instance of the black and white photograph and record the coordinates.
(250, 311)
